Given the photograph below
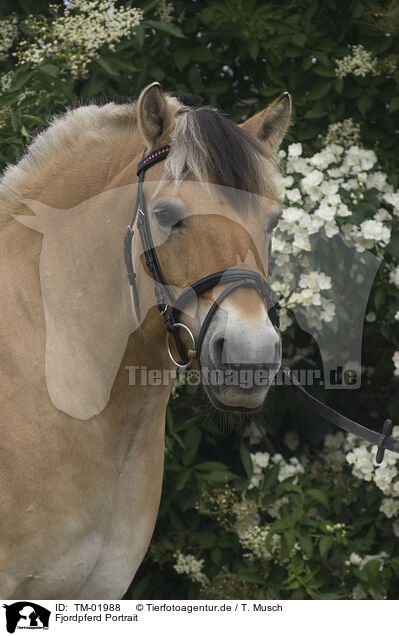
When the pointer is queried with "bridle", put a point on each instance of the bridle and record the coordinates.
(170, 307)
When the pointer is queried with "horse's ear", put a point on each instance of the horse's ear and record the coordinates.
(155, 116)
(270, 124)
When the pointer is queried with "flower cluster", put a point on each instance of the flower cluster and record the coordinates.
(360, 455)
(254, 540)
(192, 567)
(360, 63)
(8, 33)
(259, 462)
(286, 470)
(346, 133)
(323, 194)
(75, 36)
(164, 11)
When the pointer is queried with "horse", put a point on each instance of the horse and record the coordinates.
(81, 446)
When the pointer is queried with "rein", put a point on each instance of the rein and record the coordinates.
(170, 307)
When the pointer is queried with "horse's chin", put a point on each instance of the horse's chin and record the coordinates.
(236, 399)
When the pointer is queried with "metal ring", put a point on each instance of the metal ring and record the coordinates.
(190, 333)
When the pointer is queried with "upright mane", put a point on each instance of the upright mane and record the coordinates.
(205, 145)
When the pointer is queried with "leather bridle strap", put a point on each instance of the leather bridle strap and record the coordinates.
(170, 306)
(382, 440)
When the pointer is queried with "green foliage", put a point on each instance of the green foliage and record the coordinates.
(326, 539)
(238, 56)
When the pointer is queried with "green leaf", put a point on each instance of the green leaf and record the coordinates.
(49, 69)
(181, 58)
(107, 67)
(324, 71)
(195, 79)
(207, 466)
(371, 569)
(20, 80)
(339, 85)
(219, 476)
(379, 297)
(216, 556)
(325, 544)
(191, 440)
(320, 496)
(182, 478)
(306, 544)
(14, 121)
(364, 104)
(299, 39)
(166, 27)
(246, 460)
(150, 4)
(287, 543)
(320, 90)
(394, 105)
(253, 48)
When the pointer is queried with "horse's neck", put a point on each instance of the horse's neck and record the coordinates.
(81, 174)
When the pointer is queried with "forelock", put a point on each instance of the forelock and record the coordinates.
(208, 147)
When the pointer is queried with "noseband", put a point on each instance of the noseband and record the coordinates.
(170, 307)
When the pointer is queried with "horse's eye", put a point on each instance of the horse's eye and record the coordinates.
(169, 216)
(273, 221)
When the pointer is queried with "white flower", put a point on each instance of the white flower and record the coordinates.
(371, 316)
(390, 507)
(314, 178)
(383, 477)
(333, 441)
(395, 359)
(393, 199)
(362, 462)
(291, 440)
(345, 132)
(294, 151)
(274, 509)
(255, 481)
(382, 215)
(358, 593)
(192, 567)
(290, 469)
(76, 35)
(359, 62)
(394, 276)
(8, 33)
(293, 195)
(315, 281)
(355, 559)
(376, 180)
(396, 316)
(260, 461)
(331, 228)
(255, 432)
(375, 231)
(326, 211)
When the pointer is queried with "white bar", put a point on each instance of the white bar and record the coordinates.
(301, 618)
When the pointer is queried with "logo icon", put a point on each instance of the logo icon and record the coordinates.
(26, 615)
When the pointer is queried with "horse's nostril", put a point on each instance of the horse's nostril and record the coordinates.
(218, 351)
